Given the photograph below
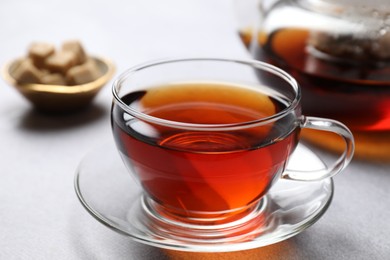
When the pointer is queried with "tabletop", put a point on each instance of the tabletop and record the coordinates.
(40, 215)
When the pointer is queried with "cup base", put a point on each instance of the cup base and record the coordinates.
(218, 229)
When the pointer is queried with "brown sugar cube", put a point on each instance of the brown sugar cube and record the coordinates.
(75, 47)
(39, 51)
(60, 61)
(84, 73)
(53, 79)
(27, 73)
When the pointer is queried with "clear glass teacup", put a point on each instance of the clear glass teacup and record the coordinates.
(206, 138)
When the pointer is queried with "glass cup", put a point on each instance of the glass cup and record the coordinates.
(206, 138)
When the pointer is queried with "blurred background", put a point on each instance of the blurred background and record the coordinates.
(40, 216)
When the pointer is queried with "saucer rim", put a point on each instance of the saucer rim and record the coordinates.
(307, 222)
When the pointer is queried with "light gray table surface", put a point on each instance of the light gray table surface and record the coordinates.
(40, 215)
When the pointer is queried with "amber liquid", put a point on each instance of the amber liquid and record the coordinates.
(192, 172)
(355, 92)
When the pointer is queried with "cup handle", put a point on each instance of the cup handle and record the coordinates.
(328, 125)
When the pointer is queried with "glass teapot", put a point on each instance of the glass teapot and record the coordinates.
(339, 52)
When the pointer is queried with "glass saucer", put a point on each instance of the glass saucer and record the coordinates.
(110, 194)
